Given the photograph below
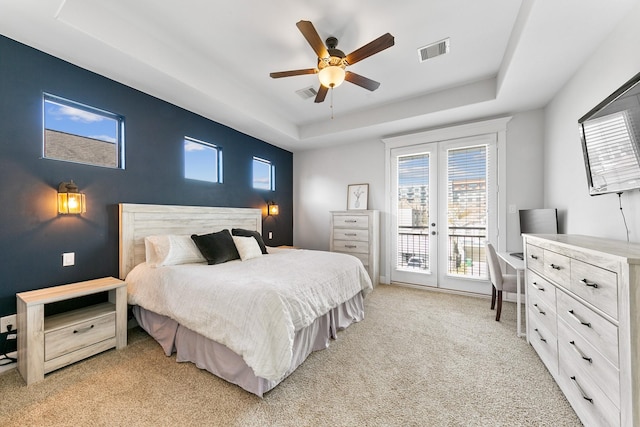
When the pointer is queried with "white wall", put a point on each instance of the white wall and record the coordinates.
(321, 177)
(524, 169)
(565, 185)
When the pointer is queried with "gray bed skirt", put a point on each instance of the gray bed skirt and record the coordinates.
(218, 359)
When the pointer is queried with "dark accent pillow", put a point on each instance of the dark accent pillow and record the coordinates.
(250, 233)
(216, 247)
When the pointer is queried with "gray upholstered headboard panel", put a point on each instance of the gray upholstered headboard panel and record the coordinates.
(138, 221)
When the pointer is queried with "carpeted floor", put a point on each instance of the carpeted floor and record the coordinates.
(418, 359)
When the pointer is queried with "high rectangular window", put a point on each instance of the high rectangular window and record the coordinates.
(79, 133)
(264, 174)
(202, 160)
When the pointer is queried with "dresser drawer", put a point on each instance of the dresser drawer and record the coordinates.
(557, 268)
(362, 257)
(587, 399)
(72, 337)
(351, 221)
(596, 285)
(535, 258)
(575, 350)
(352, 235)
(598, 331)
(545, 343)
(545, 314)
(350, 246)
(541, 288)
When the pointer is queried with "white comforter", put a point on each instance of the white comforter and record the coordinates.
(253, 307)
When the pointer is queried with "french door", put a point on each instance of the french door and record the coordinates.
(441, 198)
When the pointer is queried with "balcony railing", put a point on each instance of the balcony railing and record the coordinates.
(465, 250)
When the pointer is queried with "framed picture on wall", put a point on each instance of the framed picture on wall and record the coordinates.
(357, 196)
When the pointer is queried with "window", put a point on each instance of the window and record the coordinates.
(202, 161)
(264, 174)
(78, 133)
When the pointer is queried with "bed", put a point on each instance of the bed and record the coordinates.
(250, 321)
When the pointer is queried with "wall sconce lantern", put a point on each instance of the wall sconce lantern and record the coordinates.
(272, 209)
(70, 201)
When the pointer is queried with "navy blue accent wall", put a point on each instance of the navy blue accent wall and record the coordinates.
(32, 235)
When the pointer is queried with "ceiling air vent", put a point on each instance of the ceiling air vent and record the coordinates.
(433, 50)
(307, 92)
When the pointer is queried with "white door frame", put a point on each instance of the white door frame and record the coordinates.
(496, 126)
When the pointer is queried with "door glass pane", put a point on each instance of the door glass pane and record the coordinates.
(413, 213)
(467, 211)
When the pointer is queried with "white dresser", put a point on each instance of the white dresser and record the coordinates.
(357, 232)
(583, 320)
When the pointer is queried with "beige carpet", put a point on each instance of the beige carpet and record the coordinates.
(418, 359)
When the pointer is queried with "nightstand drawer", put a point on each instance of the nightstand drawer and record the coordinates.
(96, 325)
(353, 235)
(351, 221)
(596, 285)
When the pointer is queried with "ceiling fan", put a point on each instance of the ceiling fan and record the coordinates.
(332, 62)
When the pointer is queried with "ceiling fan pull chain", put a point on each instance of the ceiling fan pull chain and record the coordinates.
(331, 103)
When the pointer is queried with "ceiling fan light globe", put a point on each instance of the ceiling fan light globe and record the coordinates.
(331, 76)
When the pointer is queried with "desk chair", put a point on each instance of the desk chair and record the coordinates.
(500, 282)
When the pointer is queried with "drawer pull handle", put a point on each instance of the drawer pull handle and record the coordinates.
(350, 220)
(539, 311)
(79, 331)
(591, 284)
(536, 286)
(575, 347)
(350, 234)
(540, 335)
(587, 324)
(534, 256)
(555, 267)
(584, 395)
(350, 246)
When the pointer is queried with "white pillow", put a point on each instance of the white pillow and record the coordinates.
(171, 249)
(248, 247)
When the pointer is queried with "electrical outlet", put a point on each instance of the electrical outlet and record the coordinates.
(6, 321)
(270, 235)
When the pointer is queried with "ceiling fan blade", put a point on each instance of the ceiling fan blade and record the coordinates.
(309, 32)
(361, 81)
(381, 43)
(280, 74)
(322, 93)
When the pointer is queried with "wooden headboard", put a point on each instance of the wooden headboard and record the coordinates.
(138, 221)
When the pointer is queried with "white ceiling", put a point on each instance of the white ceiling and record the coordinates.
(214, 57)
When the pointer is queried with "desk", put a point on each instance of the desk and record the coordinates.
(518, 265)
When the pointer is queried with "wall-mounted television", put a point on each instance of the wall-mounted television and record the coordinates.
(610, 135)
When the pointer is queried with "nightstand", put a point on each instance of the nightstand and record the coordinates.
(47, 343)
